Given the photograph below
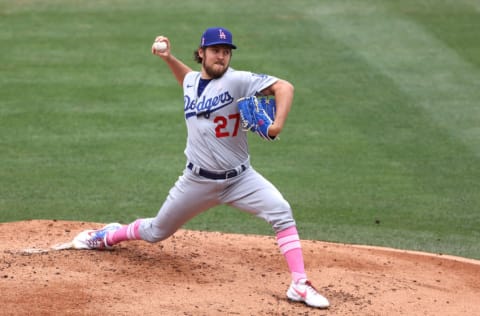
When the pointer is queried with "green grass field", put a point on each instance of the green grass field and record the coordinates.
(382, 146)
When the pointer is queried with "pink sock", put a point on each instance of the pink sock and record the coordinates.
(289, 243)
(126, 232)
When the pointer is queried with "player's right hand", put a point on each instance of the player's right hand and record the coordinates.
(161, 53)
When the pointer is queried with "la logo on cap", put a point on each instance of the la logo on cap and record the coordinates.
(221, 34)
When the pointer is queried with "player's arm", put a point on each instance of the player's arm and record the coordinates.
(283, 92)
(177, 67)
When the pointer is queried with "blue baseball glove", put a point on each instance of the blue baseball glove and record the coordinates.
(257, 114)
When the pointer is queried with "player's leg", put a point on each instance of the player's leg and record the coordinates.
(252, 193)
(179, 207)
(255, 194)
(189, 196)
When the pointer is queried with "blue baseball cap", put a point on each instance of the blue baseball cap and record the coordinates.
(217, 36)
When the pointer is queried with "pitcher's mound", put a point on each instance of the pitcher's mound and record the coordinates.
(203, 273)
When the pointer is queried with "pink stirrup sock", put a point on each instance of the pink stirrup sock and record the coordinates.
(289, 243)
(126, 232)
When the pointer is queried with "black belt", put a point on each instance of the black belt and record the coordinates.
(217, 175)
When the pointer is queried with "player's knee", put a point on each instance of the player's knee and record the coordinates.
(152, 233)
(159, 235)
(154, 240)
(283, 224)
(281, 217)
(156, 237)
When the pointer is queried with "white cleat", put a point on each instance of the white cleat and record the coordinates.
(95, 239)
(303, 291)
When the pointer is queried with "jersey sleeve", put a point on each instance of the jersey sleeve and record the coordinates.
(255, 83)
(189, 79)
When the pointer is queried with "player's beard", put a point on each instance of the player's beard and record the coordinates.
(215, 71)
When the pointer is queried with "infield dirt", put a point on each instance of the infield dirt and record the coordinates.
(205, 273)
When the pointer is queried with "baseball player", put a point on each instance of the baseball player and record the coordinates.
(218, 169)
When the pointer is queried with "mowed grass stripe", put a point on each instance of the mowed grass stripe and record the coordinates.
(435, 77)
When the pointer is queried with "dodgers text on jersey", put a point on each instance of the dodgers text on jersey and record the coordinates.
(204, 106)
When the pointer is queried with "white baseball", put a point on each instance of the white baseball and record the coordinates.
(159, 46)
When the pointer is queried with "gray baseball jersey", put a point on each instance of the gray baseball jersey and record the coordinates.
(215, 139)
(218, 163)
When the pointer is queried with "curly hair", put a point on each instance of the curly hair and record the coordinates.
(197, 57)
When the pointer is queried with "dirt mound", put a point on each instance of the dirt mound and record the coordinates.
(203, 273)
